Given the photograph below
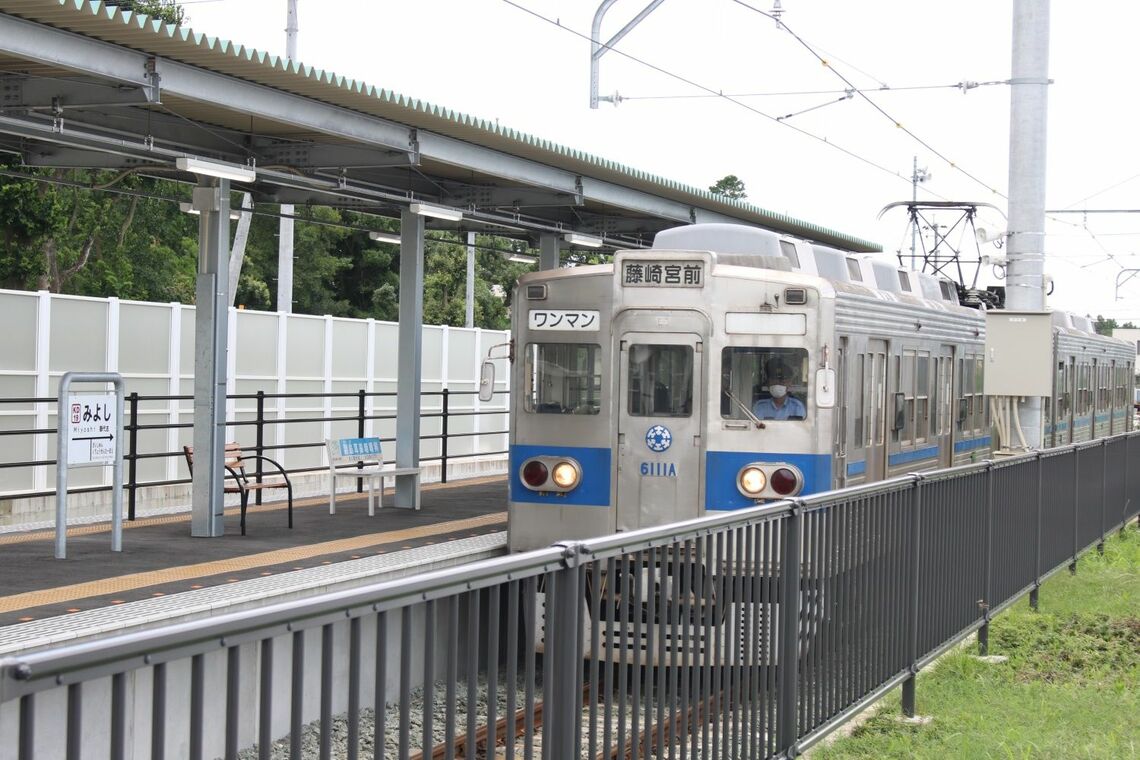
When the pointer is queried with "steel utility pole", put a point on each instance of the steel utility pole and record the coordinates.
(917, 175)
(285, 227)
(1029, 83)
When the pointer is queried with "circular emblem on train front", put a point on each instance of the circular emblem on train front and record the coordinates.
(658, 438)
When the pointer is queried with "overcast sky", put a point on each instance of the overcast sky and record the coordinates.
(526, 64)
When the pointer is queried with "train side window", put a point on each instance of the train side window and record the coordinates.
(965, 388)
(1062, 390)
(895, 380)
(900, 419)
(1103, 390)
(860, 400)
(906, 391)
(660, 380)
(879, 399)
(921, 397)
(789, 251)
(1083, 389)
(936, 399)
(769, 382)
(562, 378)
(982, 420)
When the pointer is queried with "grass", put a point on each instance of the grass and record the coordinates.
(1070, 689)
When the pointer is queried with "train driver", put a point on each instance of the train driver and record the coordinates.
(781, 405)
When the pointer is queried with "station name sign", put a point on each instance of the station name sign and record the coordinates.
(91, 429)
(669, 274)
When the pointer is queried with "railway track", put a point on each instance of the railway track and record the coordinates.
(643, 744)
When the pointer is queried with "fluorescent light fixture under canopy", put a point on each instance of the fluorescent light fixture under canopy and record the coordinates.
(588, 241)
(385, 237)
(522, 258)
(217, 169)
(439, 212)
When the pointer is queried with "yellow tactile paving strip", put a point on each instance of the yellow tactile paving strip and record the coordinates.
(133, 581)
(105, 527)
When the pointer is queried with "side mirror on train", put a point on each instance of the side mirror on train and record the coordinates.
(825, 388)
(487, 380)
(900, 412)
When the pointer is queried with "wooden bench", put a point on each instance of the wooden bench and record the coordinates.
(354, 458)
(242, 484)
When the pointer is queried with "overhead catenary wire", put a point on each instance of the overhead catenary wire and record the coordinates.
(954, 165)
(863, 94)
(1093, 195)
(964, 85)
(709, 92)
(712, 91)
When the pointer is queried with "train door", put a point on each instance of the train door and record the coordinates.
(942, 402)
(842, 411)
(1073, 401)
(877, 429)
(1094, 398)
(662, 377)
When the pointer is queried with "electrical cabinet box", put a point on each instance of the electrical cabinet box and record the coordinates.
(1019, 353)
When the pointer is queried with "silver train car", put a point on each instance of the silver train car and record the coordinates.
(729, 365)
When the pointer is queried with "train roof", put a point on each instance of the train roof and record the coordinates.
(752, 246)
(849, 271)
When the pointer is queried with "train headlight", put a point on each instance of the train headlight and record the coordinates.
(751, 481)
(548, 474)
(566, 475)
(764, 481)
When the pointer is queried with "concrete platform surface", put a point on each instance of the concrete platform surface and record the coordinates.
(160, 557)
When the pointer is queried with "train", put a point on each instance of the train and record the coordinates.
(726, 366)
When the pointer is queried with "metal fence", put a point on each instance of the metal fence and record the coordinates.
(750, 634)
(450, 431)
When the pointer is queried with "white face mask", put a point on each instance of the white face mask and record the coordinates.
(778, 391)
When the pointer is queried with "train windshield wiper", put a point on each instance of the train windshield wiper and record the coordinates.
(744, 408)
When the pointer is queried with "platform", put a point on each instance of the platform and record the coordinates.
(160, 559)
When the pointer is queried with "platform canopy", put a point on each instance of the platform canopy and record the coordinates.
(87, 85)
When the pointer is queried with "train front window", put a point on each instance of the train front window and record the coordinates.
(660, 381)
(768, 383)
(562, 378)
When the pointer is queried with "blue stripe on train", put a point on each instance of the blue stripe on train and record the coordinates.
(903, 457)
(927, 452)
(721, 468)
(971, 443)
(595, 488)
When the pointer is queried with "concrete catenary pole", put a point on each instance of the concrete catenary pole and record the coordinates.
(285, 227)
(1029, 85)
(470, 293)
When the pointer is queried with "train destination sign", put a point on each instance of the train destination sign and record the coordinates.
(580, 320)
(91, 421)
(676, 274)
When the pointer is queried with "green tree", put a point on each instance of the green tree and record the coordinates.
(67, 238)
(102, 233)
(445, 282)
(1105, 325)
(730, 186)
(167, 10)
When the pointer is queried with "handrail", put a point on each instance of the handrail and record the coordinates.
(442, 407)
